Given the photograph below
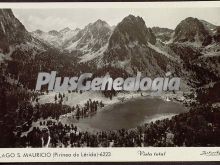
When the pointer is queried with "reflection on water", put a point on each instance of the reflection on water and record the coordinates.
(129, 114)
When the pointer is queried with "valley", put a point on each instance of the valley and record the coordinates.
(191, 51)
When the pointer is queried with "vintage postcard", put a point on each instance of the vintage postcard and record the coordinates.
(89, 82)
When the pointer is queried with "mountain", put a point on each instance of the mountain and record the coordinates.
(163, 34)
(196, 43)
(192, 30)
(190, 51)
(54, 33)
(217, 34)
(38, 32)
(12, 31)
(55, 38)
(64, 30)
(122, 51)
(91, 41)
(209, 26)
(142, 34)
(132, 47)
(23, 55)
(15, 39)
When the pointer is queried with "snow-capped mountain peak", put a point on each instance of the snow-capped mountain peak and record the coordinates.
(92, 39)
(55, 38)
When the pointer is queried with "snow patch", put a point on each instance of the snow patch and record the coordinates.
(93, 55)
(3, 28)
(161, 51)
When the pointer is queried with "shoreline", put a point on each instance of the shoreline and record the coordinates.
(119, 98)
(115, 100)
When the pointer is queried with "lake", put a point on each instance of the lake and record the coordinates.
(128, 114)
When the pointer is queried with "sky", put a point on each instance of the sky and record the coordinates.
(57, 19)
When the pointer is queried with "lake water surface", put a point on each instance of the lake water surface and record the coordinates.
(129, 114)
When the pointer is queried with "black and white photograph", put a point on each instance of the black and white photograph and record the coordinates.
(109, 77)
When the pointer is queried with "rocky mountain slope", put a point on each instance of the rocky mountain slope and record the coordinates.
(91, 41)
(135, 50)
(88, 43)
(163, 34)
(11, 30)
(15, 39)
(195, 42)
(22, 55)
(192, 30)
